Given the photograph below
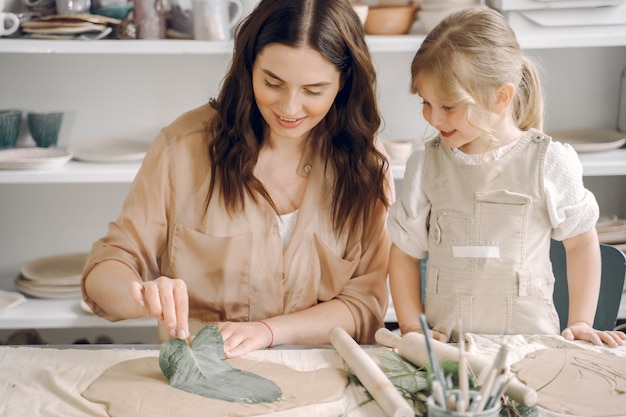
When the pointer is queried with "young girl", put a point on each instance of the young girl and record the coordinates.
(484, 197)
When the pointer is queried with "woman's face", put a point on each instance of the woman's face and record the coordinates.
(294, 88)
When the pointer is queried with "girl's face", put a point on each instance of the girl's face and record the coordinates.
(294, 88)
(451, 121)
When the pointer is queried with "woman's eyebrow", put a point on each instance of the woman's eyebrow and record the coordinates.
(276, 77)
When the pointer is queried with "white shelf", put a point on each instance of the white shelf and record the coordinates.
(529, 37)
(112, 46)
(604, 163)
(594, 164)
(60, 313)
(73, 172)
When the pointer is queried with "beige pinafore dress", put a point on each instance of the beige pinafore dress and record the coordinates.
(489, 242)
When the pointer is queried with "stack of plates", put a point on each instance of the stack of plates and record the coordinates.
(612, 231)
(52, 277)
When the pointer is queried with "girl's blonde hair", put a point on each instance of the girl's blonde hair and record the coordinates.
(471, 53)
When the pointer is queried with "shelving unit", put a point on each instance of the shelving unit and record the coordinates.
(66, 313)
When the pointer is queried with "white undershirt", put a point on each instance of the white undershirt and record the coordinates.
(286, 224)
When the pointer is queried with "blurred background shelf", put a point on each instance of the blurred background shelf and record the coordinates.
(73, 172)
(594, 164)
(60, 313)
(532, 38)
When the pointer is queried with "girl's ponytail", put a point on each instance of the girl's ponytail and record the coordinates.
(528, 107)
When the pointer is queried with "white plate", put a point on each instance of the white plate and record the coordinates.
(582, 16)
(617, 225)
(46, 291)
(611, 238)
(109, 150)
(33, 158)
(85, 307)
(55, 270)
(10, 299)
(590, 140)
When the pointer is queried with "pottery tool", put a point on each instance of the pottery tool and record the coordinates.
(434, 361)
(371, 376)
(412, 347)
(463, 402)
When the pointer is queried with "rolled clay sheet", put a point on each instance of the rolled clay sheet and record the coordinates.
(370, 375)
(412, 347)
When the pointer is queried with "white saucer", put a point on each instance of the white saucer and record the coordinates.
(590, 140)
(109, 150)
(10, 299)
(33, 158)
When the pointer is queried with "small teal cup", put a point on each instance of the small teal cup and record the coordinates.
(10, 121)
(44, 128)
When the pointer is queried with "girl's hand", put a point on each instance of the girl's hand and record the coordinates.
(438, 336)
(244, 337)
(583, 331)
(167, 300)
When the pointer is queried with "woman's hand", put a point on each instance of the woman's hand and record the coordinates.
(244, 337)
(167, 300)
(583, 331)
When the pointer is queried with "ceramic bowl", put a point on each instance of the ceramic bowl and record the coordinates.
(398, 150)
(390, 20)
(10, 121)
(120, 11)
(44, 128)
(431, 18)
(361, 11)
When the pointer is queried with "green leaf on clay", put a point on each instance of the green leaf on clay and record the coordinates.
(201, 368)
(404, 375)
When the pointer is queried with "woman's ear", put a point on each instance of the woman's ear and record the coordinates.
(504, 97)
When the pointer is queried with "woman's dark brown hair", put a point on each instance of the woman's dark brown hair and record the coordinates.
(332, 28)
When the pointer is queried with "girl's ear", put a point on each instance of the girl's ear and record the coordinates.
(504, 97)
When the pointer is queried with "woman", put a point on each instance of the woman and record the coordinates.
(264, 210)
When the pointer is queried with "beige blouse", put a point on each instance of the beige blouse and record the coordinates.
(234, 266)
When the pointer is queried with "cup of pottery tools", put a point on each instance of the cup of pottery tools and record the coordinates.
(436, 409)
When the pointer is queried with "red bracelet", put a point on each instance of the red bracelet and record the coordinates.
(271, 332)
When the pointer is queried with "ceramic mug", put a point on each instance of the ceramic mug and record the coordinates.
(10, 121)
(44, 127)
(10, 21)
(214, 20)
(248, 7)
(70, 7)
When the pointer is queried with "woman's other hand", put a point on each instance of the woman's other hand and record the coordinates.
(241, 338)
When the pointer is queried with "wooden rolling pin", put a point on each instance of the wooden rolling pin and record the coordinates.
(371, 376)
(412, 347)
